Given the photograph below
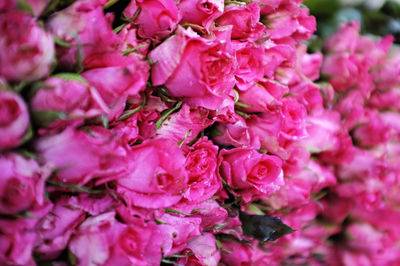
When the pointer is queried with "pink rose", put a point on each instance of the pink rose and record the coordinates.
(245, 21)
(14, 120)
(79, 25)
(264, 130)
(118, 82)
(200, 12)
(201, 165)
(156, 19)
(21, 184)
(290, 20)
(83, 156)
(198, 70)
(30, 50)
(176, 231)
(236, 134)
(16, 247)
(293, 117)
(250, 63)
(102, 240)
(204, 249)
(56, 228)
(17, 238)
(184, 125)
(257, 99)
(252, 175)
(70, 100)
(158, 178)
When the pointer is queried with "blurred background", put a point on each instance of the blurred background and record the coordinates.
(377, 17)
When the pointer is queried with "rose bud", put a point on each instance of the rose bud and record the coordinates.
(14, 120)
(27, 50)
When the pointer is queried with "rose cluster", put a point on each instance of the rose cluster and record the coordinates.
(192, 132)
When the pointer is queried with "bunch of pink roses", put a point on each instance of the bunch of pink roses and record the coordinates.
(181, 132)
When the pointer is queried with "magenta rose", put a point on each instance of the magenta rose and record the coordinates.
(118, 81)
(14, 120)
(55, 229)
(184, 125)
(201, 165)
(30, 50)
(201, 12)
(156, 19)
(236, 134)
(79, 25)
(21, 184)
(82, 156)
(16, 247)
(204, 249)
(291, 20)
(245, 21)
(250, 62)
(102, 240)
(252, 174)
(71, 101)
(158, 177)
(176, 231)
(196, 69)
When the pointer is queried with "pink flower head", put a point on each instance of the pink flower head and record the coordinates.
(73, 100)
(79, 25)
(21, 184)
(102, 240)
(250, 62)
(200, 12)
(28, 51)
(204, 249)
(201, 165)
(83, 156)
(252, 175)
(119, 81)
(156, 18)
(158, 178)
(245, 21)
(198, 70)
(14, 120)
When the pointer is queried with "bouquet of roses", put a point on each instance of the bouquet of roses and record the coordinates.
(192, 132)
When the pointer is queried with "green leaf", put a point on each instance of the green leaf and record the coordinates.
(180, 256)
(20, 86)
(129, 113)
(104, 121)
(255, 209)
(134, 49)
(27, 154)
(242, 105)
(119, 28)
(28, 135)
(76, 188)
(62, 43)
(71, 76)
(166, 114)
(71, 258)
(45, 118)
(109, 4)
(24, 6)
(79, 56)
(180, 143)
(219, 246)
(263, 227)
(151, 62)
(186, 25)
(236, 95)
(159, 221)
(177, 212)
